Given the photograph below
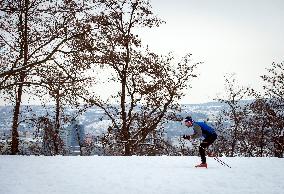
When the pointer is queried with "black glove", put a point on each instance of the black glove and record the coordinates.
(186, 137)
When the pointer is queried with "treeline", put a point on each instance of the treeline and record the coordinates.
(254, 128)
(58, 51)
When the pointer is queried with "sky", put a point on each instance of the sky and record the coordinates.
(242, 37)
(139, 175)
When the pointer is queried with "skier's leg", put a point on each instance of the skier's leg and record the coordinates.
(210, 141)
(202, 148)
(204, 145)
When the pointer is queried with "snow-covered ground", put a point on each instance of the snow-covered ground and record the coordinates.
(143, 175)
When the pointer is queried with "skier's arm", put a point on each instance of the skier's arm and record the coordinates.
(197, 132)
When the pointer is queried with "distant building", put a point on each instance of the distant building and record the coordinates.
(65, 137)
(75, 137)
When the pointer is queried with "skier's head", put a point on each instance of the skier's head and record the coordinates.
(188, 121)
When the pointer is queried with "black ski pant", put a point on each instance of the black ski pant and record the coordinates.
(205, 144)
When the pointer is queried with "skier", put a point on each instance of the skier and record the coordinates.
(201, 129)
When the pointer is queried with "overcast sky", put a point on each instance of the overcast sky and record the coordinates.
(229, 36)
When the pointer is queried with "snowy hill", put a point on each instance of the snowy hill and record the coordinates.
(138, 175)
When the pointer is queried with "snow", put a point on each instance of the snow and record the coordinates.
(138, 175)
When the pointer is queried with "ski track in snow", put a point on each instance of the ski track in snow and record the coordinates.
(138, 175)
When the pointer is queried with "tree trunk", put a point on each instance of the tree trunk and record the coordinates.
(262, 141)
(23, 27)
(233, 149)
(15, 134)
(57, 124)
(125, 132)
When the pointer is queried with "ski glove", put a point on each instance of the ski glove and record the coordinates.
(186, 137)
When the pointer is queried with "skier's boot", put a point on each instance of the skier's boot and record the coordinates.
(202, 165)
(211, 154)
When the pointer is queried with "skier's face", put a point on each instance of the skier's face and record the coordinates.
(188, 123)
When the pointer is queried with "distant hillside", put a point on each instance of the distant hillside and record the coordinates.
(94, 120)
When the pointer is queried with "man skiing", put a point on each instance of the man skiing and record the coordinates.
(201, 129)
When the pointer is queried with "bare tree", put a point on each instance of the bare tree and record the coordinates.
(67, 90)
(274, 91)
(221, 144)
(257, 126)
(52, 144)
(149, 85)
(260, 122)
(234, 114)
(32, 34)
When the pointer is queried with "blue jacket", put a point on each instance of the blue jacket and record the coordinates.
(205, 129)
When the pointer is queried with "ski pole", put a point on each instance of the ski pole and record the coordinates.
(221, 162)
(217, 159)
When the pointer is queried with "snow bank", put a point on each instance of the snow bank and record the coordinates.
(142, 175)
